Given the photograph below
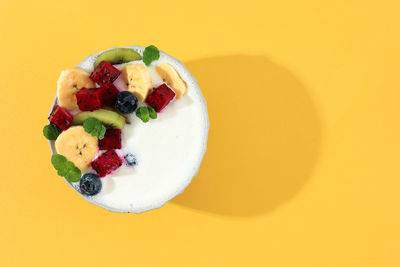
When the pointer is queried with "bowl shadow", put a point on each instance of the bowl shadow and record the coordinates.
(263, 140)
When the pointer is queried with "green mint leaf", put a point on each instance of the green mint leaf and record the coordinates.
(138, 114)
(51, 132)
(66, 168)
(152, 113)
(90, 125)
(145, 119)
(150, 54)
(102, 132)
(73, 173)
(58, 161)
(143, 114)
(94, 127)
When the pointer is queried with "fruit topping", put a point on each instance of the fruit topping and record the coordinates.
(61, 118)
(51, 132)
(138, 79)
(111, 140)
(106, 163)
(66, 168)
(130, 159)
(90, 184)
(110, 119)
(110, 95)
(94, 127)
(89, 99)
(172, 78)
(77, 146)
(105, 74)
(152, 113)
(126, 102)
(160, 97)
(117, 56)
(145, 113)
(70, 81)
(150, 54)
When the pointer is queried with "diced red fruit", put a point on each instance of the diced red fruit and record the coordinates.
(160, 97)
(89, 99)
(106, 163)
(61, 118)
(111, 140)
(105, 74)
(110, 95)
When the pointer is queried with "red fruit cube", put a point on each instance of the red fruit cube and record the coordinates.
(111, 140)
(106, 163)
(110, 93)
(105, 74)
(160, 97)
(89, 99)
(61, 118)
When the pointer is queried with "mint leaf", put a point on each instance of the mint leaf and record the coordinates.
(152, 113)
(146, 118)
(143, 114)
(51, 132)
(150, 54)
(58, 161)
(66, 168)
(73, 173)
(94, 127)
(102, 132)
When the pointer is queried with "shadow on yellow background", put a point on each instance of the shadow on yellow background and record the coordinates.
(263, 141)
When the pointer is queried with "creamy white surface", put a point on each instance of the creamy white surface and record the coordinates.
(168, 149)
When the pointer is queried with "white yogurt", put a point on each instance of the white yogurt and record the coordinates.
(168, 149)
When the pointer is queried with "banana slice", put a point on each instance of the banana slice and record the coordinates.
(138, 79)
(172, 78)
(70, 81)
(77, 146)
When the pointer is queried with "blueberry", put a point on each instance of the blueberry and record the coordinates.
(130, 159)
(90, 184)
(126, 102)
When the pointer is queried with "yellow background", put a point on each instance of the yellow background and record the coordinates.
(302, 167)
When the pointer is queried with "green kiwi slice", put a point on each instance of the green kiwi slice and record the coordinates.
(109, 118)
(117, 56)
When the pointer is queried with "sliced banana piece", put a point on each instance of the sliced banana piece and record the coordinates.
(77, 146)
(70, 81)
(172, 78)
(138, 79)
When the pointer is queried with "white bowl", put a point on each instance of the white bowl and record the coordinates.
(160, 196)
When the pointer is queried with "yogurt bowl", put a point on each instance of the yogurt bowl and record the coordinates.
(167, 151)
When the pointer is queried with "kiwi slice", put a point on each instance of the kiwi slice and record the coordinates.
(109, 118)
(117, 56)
(127, 121)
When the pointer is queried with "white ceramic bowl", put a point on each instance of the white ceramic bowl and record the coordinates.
(160, 196)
